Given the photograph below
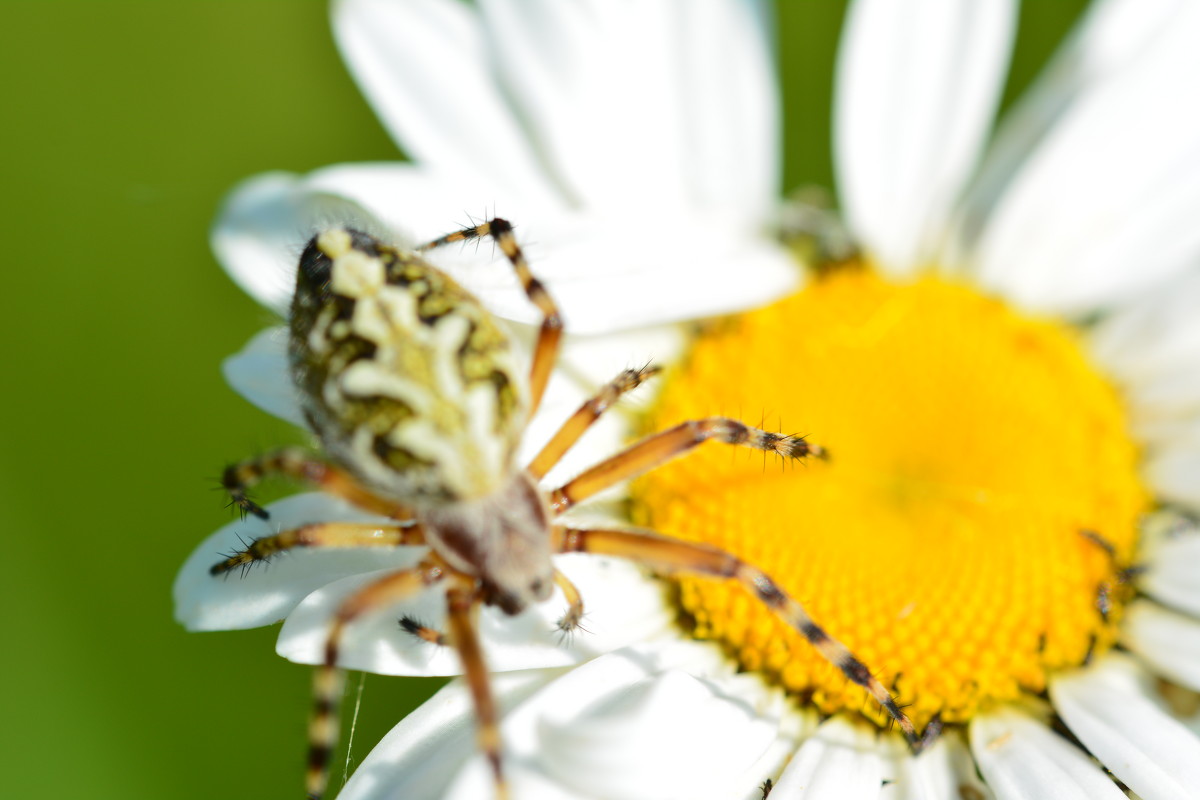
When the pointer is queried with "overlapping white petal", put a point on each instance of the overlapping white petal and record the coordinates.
(375, 643)
(1022, 759)
(1166, 640)
(842, 759)
(917, 85)
(944, 770)
(421, 755)
(1109, 707)
(1112, 35)
(259, 373)
(266, 593)
(1101, 207)
(641, 173)
(1171, 556)
(588, 734)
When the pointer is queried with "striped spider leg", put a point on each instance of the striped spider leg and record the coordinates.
(412, 388)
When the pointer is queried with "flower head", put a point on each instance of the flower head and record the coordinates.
(1005, 378)
(1006, 382)
(630, 226)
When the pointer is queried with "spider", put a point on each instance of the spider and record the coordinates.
(412, 389)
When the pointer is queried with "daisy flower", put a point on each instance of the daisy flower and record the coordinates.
(623, 152)
(1006, 376)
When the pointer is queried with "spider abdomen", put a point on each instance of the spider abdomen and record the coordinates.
(408, 381)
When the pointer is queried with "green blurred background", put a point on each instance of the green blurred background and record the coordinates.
(127, 122)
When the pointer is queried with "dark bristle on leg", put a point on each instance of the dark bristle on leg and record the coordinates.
(661, 447)
(297, 464)
(319, 535)
(422, 632)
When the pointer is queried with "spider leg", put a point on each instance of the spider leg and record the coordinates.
(321, 535)
(463, 605)
(424, 632)
(566, 436)
(292, 462)
(546, 351)
(327, 678)
(672, 555)
(569, 621)
(672, 443)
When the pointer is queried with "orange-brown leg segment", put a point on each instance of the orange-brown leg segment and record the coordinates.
(321, 535)
(292, 462)
(566, 436)
(671, 555)
(424, 632)
(672, 443)
(463, 605)
(569, 621)
(545, 353)
(327, 678)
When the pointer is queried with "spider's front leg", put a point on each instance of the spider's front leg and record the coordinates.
(591, 410)
(665, 554)
(545, 353)
(293, 462)
(663, 446)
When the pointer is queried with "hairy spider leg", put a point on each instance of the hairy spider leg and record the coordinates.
(293, 462)
(327, 678)
(321, 535)
(672, 443)
(545, 353)
(463, 612)
(424, 632)
(567, 435)
(665, 554)
(569, 621)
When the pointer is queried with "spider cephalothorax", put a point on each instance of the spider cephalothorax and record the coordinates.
(411, 387)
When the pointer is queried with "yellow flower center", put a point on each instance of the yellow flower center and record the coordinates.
(956, 540)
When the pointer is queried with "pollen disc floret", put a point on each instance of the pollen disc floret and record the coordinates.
(957, 537)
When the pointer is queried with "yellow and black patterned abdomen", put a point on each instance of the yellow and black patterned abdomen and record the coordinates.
(403, 375)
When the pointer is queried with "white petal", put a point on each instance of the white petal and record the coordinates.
(1174, 470)
(1110, 708)
(917, 85)
(1022, 759)
(656, 722)
(1166, 640)
(673, 736)
(841, 761)
(268, 592)
(617, 95)
(1112, 35)
(606, 273)
(1152, 348)
(261, 229)
(420, 756)
(943, 771)
(428, 71)
(731, 108)
(610, 274)
(1104, 206)
(1171, 553)
(259, 373)
(621, 606)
